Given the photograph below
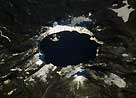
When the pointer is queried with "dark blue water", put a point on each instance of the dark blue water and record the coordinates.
(70, 49)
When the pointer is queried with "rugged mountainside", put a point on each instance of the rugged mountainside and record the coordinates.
(22, 21)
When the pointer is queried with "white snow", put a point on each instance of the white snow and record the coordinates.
(60, 28)
(39, 62)
(79, 80)
(125, 55)
(55, 38)
(11, 92)
(114, 79)
(1, 35)
(42, 73)
(7, 81)
(78, 20)
(69, 71)
(124, 12)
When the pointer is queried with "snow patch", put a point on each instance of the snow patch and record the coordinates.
(124, 12)
(125, 55)
(43, 72)
(69, 71)
(80, 19)
(79, 80)
(114, 79)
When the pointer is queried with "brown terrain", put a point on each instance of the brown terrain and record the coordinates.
(20, 24)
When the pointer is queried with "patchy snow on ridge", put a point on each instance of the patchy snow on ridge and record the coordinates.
(114, 79)
(69, 71)
(60, 28)
(43, 72)
(80, 19)
(79, 81)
